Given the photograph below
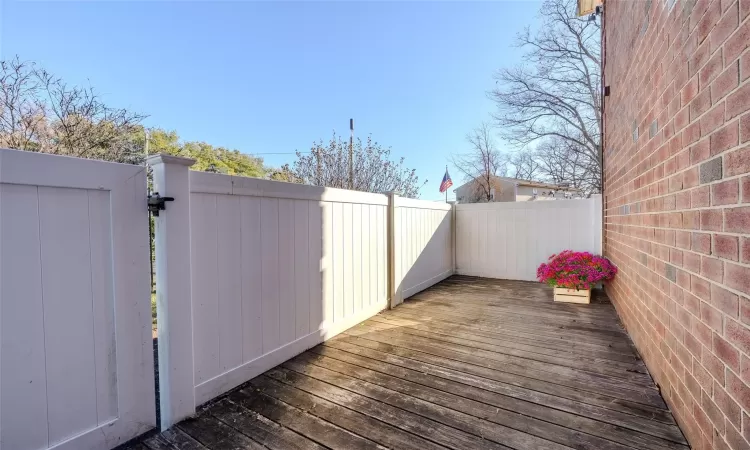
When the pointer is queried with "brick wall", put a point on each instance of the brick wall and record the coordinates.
(677, 203)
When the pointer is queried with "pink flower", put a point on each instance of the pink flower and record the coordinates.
(576, 270)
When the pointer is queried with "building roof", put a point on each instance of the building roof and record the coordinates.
(530, 183)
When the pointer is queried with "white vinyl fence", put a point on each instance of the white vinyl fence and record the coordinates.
(274, 268)
(76, 359)
(423, 245)
(249, 273)
(510, 240)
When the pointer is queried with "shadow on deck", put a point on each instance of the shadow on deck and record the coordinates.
(468, 363)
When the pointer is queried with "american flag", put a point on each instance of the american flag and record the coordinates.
(447, 182)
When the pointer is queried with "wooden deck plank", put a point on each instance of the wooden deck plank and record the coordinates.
(524, 367)
(308, 425)
(351, 377)
(426, 420)
(260, 429)
(347, 413)
(617, 351)
(468, 363)
(628, 371)
(588, 420)
(173, 439)
(214, 434)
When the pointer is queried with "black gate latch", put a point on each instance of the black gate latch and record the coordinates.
(157, 203)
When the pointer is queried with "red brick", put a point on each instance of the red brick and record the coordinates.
(710, 71)
(737, 42)
(701, 151)
(737, 162)
(682, 239)
(725, 301)
(707, 22)
(701, 330)
(691, 178)
(745, 189)
(745, 119)
(713, 412)
(725, 138)
(737, 220)
(714, 366)
(691, 133)
(712, 268)
(711, 317)
(738, 334)
(745, 249)
(700, 198)
(725, 83)
(745, 67)
(700, 287)
(726, 353)
(738, 390)
(737, 102)
(711, 220)
(744, 9)
(725, 193)
(682, 200)
(737, 277)
(745, 373)
(686, 95)
(745, 310)
(698, 59)
(712, 119)
(729, 407)
(700, 104)
(726, 247)
(682, 117)
(727, 24)
(670, 202)
(691, 262)
(701, 243)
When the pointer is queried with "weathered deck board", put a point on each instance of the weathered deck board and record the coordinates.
(468, 363)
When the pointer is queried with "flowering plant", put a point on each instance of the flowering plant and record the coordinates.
(575, 270)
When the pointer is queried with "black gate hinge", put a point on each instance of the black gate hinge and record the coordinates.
(157, 203)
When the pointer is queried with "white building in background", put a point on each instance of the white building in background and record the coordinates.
(504, 189)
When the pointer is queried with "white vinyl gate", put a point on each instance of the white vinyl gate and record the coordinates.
(76, 361)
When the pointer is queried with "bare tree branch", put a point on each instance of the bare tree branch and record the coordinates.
(482, 165)
(553, 99)
(328, 165)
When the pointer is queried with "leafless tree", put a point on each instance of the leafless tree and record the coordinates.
(525, 165)
(556, 93)
(40, 112)
(328, 165)
(482, 165)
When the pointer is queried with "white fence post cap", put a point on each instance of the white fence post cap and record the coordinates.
(162, 158)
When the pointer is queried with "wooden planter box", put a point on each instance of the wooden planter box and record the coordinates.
(573, 295)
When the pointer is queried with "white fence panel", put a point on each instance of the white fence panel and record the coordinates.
(275, 268)
(423, 250)
(76, 360)
(510, 240)
(262, 252)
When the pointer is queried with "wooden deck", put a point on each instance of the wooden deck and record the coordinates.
(468, 363)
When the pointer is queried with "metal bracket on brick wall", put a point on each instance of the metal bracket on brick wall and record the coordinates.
(157, 203)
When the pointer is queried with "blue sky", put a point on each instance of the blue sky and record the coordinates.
(271, 77)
